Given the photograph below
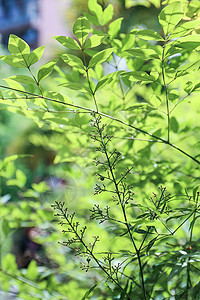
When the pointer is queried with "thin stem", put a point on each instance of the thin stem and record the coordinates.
(123, 210)
(63, 211)
(166, 95)
(88, 78)
(109, 117)
(36, 81)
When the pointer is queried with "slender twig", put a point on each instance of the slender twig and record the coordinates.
(166, 95)
(109, 117)
(123, 209)
(90, 252)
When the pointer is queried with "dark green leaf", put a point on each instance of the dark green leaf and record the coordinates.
(174, 124)
(89, 292)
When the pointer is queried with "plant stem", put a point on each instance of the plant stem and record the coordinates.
(63, 211)
(89, 110)
(166, 95)
(123, 210)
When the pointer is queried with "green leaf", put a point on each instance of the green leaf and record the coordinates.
(95, 9)
(72, 61)
(170, 16)
(89, 292)
(114, 28)
(17, 45)
(189, 42)
(139, 76)
(81, 29)
(5, 229)
(32, 272)
(173, 95)
(147, 34)
(9, 263)
(21, 178)
(35, 55)
(75, 86)
(93, 19)
(190, 67)
(174, 124)
(108, 14)
(143, 53)
(22, 79)
(107, 79)
(155, 100)
(40, 187)
(100, 57)
(14, 61)
(184, 29)
(127, 42)
(93, 41)
(68, 42)
(46, 69)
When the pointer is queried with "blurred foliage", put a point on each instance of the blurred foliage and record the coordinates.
(134, 81)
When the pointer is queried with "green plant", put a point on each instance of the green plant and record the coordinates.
(134, 114)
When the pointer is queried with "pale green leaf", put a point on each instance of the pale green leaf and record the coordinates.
(100, 57)
(107, 79)
(147, 34)
(127, 42)
(46, 69)
(32, 272)
(108, 14)
(93, 41)
(139, 76)
(155, 100)
(184, 29)
(17, 46)
(22, 79)
(75, 86)
(95, 9)
(114, 28)
(68, 42)
(189, 42)
(142, 53)
(170, 16)
(193, 66)
(21, 178)
(72, 61)
(14, 60)
(35, 55)
(81, 29)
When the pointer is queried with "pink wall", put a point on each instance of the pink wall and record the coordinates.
(51, 22)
